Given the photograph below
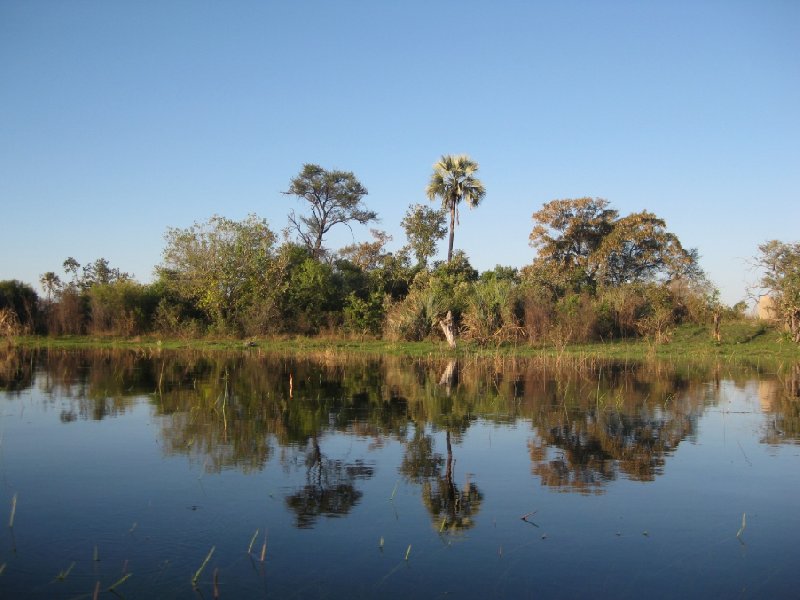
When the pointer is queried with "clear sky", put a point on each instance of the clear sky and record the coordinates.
(121, 119)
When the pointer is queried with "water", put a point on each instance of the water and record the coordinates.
(394, 478)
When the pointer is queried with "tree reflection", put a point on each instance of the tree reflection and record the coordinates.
(330, 487)
(591, 422)
(587, 435)
(780, 402)
(451, 509)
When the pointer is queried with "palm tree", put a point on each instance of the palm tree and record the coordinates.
(454, 180)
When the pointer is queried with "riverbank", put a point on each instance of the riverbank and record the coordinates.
(741, 341)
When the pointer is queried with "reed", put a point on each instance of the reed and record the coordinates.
(62, 575)
(741, 529)
(119, 582)
(252, 541)
(13, 511)
(203, 566)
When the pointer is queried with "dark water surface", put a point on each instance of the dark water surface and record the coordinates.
(394, 478)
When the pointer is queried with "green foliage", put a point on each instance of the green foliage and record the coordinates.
(364, 316)
(226, 269)
(493, 311)
(122, 307)
(424, 228)
(310, 300)
(333, 197)
(432, 294)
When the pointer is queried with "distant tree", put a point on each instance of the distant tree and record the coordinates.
(368, 255)
(100, 272)
(71, 266)
(424, 228)
(51, 284)
(453, 181)
(334, 197)
(780, 263)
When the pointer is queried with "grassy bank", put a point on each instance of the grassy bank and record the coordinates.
(741, 341)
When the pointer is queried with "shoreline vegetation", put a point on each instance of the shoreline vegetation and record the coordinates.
(597, 276)
(751, 342)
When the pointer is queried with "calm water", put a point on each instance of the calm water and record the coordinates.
(394, 478)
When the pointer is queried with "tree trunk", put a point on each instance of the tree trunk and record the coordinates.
(448, 328)
(452, 231)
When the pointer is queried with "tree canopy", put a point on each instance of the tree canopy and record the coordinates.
(586, 241)
(222, 266)
(424, 228)
(334, 197)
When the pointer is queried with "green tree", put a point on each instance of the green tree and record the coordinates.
(780, 264)
(334, 197)
(424, 228)
(586, 240)
(453, 181)
(226, 268)
(568, 233)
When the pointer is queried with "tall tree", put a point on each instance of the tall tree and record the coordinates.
(453, 181)
(334, 197)
(424, 228)
(51, 284)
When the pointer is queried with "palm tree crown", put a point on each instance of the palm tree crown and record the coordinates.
(453, 180)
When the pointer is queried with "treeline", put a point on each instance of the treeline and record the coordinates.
(597, 275)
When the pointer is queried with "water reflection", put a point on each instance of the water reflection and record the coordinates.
(590, 423)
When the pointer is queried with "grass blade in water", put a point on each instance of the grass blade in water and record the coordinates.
(203, 566)
(252, 541)
(744, 524)
(13, 511)
(119, 582)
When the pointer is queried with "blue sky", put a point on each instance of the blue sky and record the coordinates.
(121, 119)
